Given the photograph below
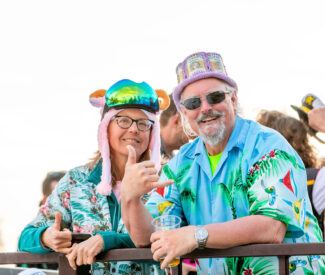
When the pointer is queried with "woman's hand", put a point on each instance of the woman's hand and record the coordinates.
(54, 238)
(86, 251)
(139, 178)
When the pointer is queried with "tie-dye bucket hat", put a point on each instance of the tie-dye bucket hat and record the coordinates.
(199, 66)
(122, 95)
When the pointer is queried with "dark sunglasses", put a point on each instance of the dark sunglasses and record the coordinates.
(193, 103)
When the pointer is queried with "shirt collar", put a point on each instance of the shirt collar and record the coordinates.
(238, 135)
(95, 174)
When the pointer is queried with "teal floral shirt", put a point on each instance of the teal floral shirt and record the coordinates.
(259, 173)
(84, 210)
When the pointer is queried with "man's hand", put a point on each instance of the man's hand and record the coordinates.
(139, 178)
(86, 251)
(316, 119)
(54, 238)
(172, 243)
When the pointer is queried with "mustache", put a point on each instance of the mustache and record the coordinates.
(209, 114)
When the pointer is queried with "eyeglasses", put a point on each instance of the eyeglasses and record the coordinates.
(126, 122)
(193, 103)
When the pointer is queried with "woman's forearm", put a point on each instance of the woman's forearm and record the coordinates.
(30, 240)
(137, 220)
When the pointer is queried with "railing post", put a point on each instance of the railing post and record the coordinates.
(64, 267)
(177, 270)
(283, 265)
(83, 269)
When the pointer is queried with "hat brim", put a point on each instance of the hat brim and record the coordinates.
(298, 109)
(320, 140)
(303, 115)
(201, 75)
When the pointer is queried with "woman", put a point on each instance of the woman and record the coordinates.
(294, 131)
(86, 200)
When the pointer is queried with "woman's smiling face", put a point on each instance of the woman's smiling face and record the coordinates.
(119, 138)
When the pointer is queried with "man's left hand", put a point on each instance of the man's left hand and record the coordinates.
(172, 243)
(86, 251)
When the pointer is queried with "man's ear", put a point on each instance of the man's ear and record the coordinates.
(174, 120)
(234, 100)
(178, 119)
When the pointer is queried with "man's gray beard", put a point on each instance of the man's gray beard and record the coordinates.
(215, 138)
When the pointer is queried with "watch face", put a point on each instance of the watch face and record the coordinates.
(201, 233)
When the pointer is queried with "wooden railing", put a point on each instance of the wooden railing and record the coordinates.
(282, 251)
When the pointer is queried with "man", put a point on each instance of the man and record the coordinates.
(171, 130)
(238, 183)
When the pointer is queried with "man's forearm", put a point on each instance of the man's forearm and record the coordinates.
(246, 230)
(137, 220)
(316, 119)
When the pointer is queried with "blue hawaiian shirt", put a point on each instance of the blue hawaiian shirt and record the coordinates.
(259, 173)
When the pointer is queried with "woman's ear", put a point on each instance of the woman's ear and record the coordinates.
(97, 98)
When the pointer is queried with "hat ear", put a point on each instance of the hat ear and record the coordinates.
(97, 98)
(163, 99)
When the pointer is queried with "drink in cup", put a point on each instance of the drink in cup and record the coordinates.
(167, 222)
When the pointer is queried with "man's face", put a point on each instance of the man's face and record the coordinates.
(213, 122)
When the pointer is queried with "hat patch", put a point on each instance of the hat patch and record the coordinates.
(217, 63)
(195, 64)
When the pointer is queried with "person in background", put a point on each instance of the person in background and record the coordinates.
(312, 114)
(171, 130)
(49, 183)
(296, 133)
(238, 183)
(172, 137)
(268, 118)
(87, 198)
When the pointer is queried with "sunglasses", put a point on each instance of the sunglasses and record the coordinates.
(193, 103)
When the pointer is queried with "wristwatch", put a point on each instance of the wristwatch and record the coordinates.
(201, 236)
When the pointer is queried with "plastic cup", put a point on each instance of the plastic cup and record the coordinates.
(167, 222)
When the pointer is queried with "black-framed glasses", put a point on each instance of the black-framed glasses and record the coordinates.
(215, 97)
(126, 122)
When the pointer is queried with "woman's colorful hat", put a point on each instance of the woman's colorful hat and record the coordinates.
(122, 95)
(199, 66)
